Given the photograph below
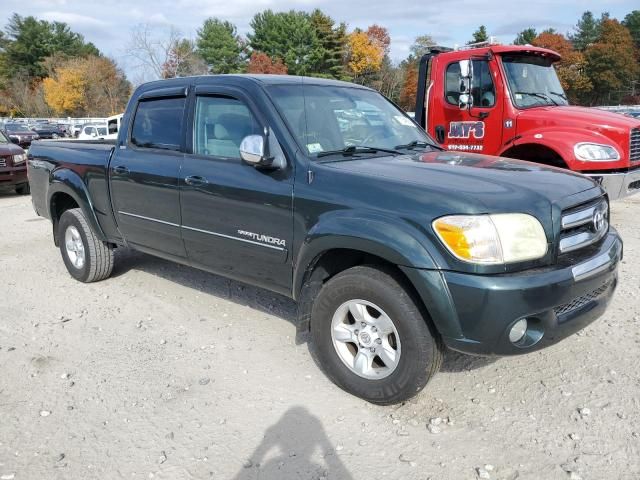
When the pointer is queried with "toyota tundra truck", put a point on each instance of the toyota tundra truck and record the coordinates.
(328, 193)
(508, 101)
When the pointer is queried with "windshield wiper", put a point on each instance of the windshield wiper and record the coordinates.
(355, 149)
(539, 95)
(561, 95)
(414, 144)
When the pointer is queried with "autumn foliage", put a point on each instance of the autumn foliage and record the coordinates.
(261, 63)
(83, 85)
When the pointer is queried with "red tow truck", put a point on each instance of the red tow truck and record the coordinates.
(508, 101)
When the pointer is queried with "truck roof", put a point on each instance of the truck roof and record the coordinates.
(263, 79)
(505, 49)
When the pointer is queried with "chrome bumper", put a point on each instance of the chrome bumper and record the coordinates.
(619, 185)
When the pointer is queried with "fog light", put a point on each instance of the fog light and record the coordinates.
(518, 331)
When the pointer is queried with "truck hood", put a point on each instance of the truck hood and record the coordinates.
(593, 119)
(490, 183)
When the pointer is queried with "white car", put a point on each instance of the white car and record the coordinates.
(93, 132)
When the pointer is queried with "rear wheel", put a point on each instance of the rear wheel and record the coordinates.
(87, 258)
(371, 338)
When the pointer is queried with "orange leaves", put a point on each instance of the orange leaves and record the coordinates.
(262, 63)
(65, 93)
(365, 53)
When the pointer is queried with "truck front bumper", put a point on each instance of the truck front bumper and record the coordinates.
(13, 176)
(619, 185)
(475, 313)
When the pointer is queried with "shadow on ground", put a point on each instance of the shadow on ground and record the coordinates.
(293, 448)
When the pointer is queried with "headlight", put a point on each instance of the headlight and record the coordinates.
(492, 239)
(594, 152)
(18, 159)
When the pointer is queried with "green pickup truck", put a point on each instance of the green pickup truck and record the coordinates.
(326, 192)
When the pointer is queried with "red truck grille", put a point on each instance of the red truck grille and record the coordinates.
(634, 145)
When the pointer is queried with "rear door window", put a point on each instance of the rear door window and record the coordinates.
(158, 123)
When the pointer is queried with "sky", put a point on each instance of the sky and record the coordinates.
(108, 23)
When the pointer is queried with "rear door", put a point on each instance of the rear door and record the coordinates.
(237, 220)
(144, 174)
(479, 128)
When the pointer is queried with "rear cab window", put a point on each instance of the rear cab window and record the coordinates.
(158, 123)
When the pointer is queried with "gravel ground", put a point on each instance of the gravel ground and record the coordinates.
(166, 372)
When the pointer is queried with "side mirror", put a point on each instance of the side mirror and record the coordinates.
(465, 100)
(466, 68)
(253, 151)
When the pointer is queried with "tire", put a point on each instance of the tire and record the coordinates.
(23, 189)
(418, 352)
(76, 240)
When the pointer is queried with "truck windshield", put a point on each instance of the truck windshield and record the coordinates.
(327, 119)
(533, 81)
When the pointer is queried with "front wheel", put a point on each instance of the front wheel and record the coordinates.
(371, 338)
(87, 258)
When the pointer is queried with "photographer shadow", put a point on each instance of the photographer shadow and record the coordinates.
(295, 447)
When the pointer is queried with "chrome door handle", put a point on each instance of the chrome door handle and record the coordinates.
(195, 180)
(121, 170)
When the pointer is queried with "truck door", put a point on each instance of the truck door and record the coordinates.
(144, 174)
(236, 219)
(478, 128)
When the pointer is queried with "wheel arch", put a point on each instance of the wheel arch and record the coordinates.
(537, 153)
(66, 190)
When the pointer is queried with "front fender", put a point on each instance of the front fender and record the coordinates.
(392, 239)
(562, 142)
(68, 182)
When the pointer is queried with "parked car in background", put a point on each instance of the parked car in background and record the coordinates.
(93, 132)
(47, 131)
(113, 125)
(13, 166)
(76, 129)
(19, 134)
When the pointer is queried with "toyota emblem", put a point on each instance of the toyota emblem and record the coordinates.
(599, 222)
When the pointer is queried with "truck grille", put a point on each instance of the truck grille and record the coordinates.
(582, 300)
(634, 145)
(584, 225)
(3, 162)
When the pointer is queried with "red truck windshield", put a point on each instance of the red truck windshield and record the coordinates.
(533, 81)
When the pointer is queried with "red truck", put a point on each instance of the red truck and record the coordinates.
(508, 101)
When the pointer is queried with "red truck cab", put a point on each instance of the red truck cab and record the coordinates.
(508, 101)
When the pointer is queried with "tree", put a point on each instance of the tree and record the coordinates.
(86, 86)
(571, 68)
(29, 41)
(333, 40)
(161, 52)
(612, 63)
(409, 90)
(480, 35)
(525, 37)
(23, 96)
(364, 55)
(289, 36)
(182, 60)
(421, 45)
(220, 46)
(261, 63)
(587, 30)
(632, 22)
(379, 36)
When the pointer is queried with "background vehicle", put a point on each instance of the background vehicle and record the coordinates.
(93, 132)
(47, 131)
(13, 166)
(20, 135)
(113, 125)
(508, 101)
(391, 246)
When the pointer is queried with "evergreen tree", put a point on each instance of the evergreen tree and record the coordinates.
(632, 22)
(480, 35)
(220, 47)
(526, 36)
(29, 41)
(587, 30)
(333, 41)
(289, 36)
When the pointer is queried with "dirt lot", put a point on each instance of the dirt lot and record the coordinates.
(167, 372)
